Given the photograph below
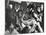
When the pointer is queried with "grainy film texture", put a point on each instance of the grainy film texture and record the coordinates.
(24, 17)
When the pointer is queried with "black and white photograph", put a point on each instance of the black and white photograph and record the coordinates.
(24, 17)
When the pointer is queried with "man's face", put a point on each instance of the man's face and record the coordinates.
(20, 13)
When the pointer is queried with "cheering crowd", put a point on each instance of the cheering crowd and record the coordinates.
(24, 17)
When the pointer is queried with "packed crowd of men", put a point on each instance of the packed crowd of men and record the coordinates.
(24, 17)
